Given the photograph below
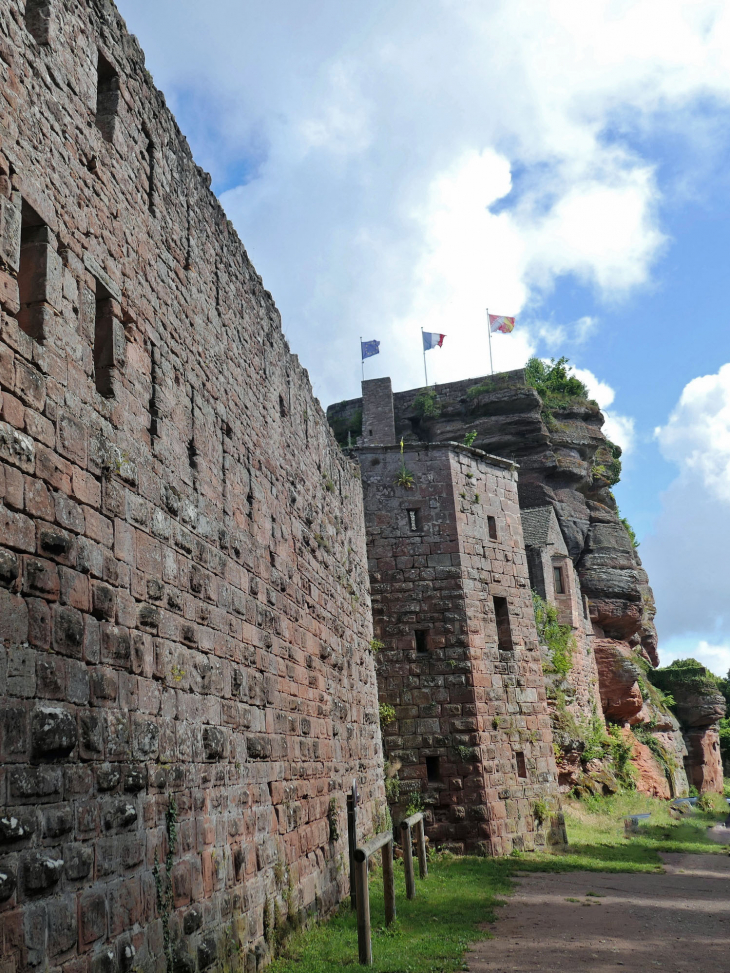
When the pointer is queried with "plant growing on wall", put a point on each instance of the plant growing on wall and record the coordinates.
(559, 639)
(404, 478)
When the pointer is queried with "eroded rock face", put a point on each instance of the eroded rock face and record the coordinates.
(704, 765)
(618, 677)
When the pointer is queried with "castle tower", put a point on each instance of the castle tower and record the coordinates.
(460, 663)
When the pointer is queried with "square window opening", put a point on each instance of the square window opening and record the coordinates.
(558, 580)
(521, 764)
(421, 636)
(492, 526)
(107, 97)
(433, 769)
(504, 632)
(414, 519)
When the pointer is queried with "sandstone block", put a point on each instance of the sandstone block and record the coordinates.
(16, 448)
(53, 732)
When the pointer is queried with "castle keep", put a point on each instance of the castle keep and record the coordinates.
(460, 662)
(186, 679)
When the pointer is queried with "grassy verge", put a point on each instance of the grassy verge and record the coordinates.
(430, 933)
(461, 894)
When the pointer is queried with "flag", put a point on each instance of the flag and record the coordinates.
(369, 348)
(431, 340)
(499, 323)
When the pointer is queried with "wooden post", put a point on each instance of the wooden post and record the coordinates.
(421, 839)
(364, 942)
(388, 883)
(352, 840)
(408, 860)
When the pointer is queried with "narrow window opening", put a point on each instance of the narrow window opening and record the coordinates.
(37, 245)
(104, 342)
(148, 158)
(414, 519)
(433, 770)
(38, 20)
(492, 527)
(154, 395)
(370, 432)
(107, 97)
(421, 637)
(521, 764)
(558, 580)
(192, 448)
(504, 633)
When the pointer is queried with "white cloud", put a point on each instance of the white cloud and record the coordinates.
(697, 435)
(686, 553)
(409, 164)
(585, 327)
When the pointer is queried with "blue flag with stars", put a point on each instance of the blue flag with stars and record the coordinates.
(369, 348)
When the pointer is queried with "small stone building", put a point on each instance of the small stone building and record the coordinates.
(460, 663)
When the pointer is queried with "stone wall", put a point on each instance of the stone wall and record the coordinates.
(186, 682)
(471, 734)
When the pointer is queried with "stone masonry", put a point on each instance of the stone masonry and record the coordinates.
(186, 679)
(460, 661)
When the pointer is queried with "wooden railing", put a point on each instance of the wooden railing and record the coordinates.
(359, 860)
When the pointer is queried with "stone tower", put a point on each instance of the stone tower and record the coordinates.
(460, 662)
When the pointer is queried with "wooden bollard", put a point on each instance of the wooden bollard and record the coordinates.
(364, 941)
(408, 860)
(421, 839)
(383, 841)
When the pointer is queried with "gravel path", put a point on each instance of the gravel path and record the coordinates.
(678, 922)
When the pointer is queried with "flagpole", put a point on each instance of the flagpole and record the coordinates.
(425, 370)
(362, 360)
(489, 332)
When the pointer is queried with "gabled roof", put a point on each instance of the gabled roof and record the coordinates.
(536, 523)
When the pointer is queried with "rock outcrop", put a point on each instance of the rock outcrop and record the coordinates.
(699, 706)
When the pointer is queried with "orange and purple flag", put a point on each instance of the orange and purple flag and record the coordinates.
(500, 323)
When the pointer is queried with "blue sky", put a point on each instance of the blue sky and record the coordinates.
(397, 166)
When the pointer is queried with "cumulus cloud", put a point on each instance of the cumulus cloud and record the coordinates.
(392, 166)
(697, 435)
(686, 553)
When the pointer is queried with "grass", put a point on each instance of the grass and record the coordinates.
(461, 895)
(430, 933)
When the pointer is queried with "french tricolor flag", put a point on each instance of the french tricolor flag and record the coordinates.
(431, 340)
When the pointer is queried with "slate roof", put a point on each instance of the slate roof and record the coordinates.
(536, 525)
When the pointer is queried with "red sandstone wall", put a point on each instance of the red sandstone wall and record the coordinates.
(184, 610)
(464, 701)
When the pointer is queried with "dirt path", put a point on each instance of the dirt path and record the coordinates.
(678, 922)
